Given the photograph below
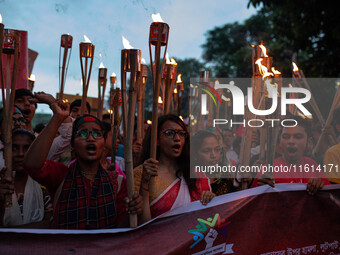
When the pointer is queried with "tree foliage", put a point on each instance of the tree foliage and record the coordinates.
(307, 32)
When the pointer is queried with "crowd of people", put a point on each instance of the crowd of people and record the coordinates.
(65, 178)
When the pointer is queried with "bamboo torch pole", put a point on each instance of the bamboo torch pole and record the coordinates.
(102, 74)
(131, 62)
(12, 49)
(318, 148)
(140, 102)
(144, 77)
(248, 132)
(180, 91)
(158, 37)
(113, 80)
(169, 75)
(86, 50)
(262, 104)
(66, 43)
(116, 123)
(205, 78)
(300, 79)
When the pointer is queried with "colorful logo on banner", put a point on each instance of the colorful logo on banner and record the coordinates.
(211, 236)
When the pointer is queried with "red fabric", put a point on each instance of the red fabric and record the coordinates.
(53, 173)
(295, 177)
(165, 203)
(202, 184)
(298, 179)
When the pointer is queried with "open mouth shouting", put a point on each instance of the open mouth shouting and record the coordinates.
(292, 151)
(91, 149)
(177, 148)
(26, 112)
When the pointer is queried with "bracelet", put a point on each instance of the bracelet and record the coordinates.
(55, 101)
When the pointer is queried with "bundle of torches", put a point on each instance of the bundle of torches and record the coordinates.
(124, 100)
(167, 98)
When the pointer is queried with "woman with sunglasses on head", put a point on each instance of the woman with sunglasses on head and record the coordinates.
(85, 195)
(171, 171)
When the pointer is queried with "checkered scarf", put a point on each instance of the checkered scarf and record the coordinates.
(72, 210)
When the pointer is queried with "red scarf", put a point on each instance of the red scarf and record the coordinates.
(72, 210)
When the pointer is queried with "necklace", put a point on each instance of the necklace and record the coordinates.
(87, 174)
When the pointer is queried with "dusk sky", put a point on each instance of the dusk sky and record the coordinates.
(104, 22)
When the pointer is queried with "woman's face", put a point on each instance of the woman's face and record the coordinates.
(209, 153)
(89, 148)
(171, 139)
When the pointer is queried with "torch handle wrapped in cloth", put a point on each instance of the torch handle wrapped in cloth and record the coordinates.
(8, 104)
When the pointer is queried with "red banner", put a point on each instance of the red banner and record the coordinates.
(263, 220)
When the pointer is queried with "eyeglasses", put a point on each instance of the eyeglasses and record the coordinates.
(170, 133)
(84, 133)
(20, 120)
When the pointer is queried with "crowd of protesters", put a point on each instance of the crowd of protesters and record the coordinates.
(65, 178)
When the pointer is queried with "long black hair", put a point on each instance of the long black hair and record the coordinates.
(183, 161)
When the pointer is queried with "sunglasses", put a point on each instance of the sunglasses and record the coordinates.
(84, 133)
(170, 133)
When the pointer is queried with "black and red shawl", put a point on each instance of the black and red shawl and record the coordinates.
(72, 209)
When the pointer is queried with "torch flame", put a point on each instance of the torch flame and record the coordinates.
(227, 99)
(179, 78)
(264, 50)
(295, 69)
(87, 40)
(101, 65)
(0, 18)
(126, 43)
(175, 90)
(263, 70)
(271, 88)
(32, 77)
(160, 101)
(275, 71)
(304, 116)
(143, 61)
(149, 122)
(173, 62)
(113, 74)
(180, 116)
(157, 17)
(167, 59)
